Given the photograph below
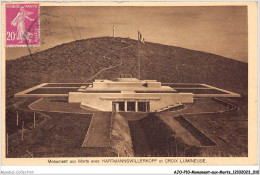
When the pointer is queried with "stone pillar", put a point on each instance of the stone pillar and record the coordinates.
(136, 106)
(117, 107)
(125, 106)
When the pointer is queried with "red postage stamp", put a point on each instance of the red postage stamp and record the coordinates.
(22, 25)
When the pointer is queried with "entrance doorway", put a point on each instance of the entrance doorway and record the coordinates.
(121, 106)
(118, 106)
(131, 106)
(144, 106)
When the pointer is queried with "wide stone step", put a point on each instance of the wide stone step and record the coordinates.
(98, 134)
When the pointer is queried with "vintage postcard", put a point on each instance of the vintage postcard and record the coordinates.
(132, 83)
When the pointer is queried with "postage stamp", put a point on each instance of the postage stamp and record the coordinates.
(22, 25)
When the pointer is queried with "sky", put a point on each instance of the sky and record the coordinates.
(220, 30)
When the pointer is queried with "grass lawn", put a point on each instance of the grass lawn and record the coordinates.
(62, 134)
(152, 136)
(57, 136)
(229, 131)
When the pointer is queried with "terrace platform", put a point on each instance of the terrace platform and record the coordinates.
(63, 89)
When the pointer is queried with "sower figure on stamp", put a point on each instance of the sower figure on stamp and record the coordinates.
(19, 21)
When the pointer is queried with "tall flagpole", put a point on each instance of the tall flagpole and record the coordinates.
(138, 56)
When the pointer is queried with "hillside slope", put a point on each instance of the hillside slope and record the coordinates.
(79, 60)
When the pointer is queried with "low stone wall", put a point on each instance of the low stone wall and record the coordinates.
(230, 107)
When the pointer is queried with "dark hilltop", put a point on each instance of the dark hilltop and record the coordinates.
(78, 61)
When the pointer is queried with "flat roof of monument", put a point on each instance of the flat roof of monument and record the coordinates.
(123, 80)
(63, 89)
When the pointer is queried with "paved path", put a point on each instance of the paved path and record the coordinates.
(98, 134)
(110, 67)
(58, 105)
(179, 130)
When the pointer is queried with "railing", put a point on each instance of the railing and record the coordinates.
(171, 108)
